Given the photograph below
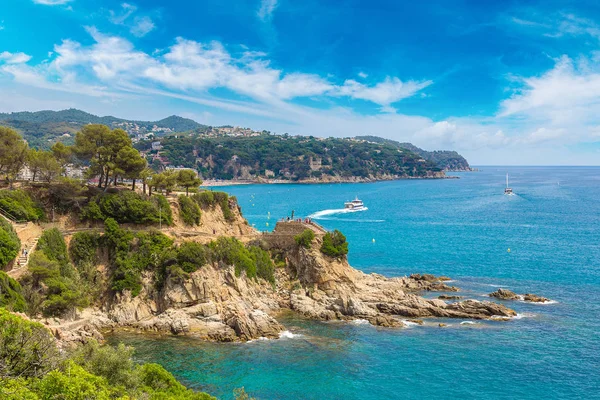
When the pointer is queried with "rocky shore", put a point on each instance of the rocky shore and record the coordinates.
(505, 294)
(215, 305)
(325, 179)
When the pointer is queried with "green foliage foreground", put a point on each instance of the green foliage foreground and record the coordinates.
(32, 368)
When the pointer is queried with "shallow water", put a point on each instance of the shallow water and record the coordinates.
(462, 228)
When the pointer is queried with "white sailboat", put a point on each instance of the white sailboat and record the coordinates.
(508, 190)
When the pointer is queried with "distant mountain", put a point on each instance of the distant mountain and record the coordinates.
(444, 159)
(43, 128)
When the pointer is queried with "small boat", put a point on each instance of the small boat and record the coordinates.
(507, 190)
(354, 205)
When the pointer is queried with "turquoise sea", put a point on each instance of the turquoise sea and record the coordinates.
(462, 228)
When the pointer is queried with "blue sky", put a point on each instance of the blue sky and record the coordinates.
(502, 82)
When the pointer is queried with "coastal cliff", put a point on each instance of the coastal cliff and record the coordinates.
(214, 303)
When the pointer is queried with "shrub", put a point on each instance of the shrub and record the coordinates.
(264, 265)
(334, 244)
(83, 250)
(191, 256)
(11, 294)
(208, 199)
(113, 363)
(27, 349)
(53, 245)
(32, 368)
(19, 204)
(204, 199)
(189, 211)
(9, 243)
(305, 238)
(255, 261)
(74, 384)
(131, 255)
(53, 285)
(126, 206)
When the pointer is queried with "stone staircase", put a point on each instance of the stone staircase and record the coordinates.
(24, 258)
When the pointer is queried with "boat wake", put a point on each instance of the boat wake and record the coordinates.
(326, 213)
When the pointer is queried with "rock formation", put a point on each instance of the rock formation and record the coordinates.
(505, 294)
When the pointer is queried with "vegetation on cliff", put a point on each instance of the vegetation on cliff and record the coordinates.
(19, 205)
(53, 286)
(290, 157)
(9, 243)
(445, 159)
(189, 211)
(334, 244)
(32, 368)
(11, 294)
(126, 206)
(305, 238)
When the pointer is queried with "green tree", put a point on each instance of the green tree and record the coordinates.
(334, 244)
(63, 154)
(48, 166)
(188, 178)
(100, 146)
(27, 349)
(130, 164)
(13, 153)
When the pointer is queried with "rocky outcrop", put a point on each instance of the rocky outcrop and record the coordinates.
(331, 289)
(505, 294)
(215, 304)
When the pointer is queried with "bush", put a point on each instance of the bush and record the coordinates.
(191, 256)
(27, 349)
(255, 261)
(33, 368)
(208, 199)
(126, 206)
(53, 245)
(9, 243)
(83, 249)
(20, 205)
(264, 265)
(53, 285)
(204, 199)
(11, 294)
(334, 244)
(132, 254)
(189, 211)
(305, 238)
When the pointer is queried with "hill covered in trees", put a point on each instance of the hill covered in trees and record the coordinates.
(295, 158)
(43, 128)
(445, 159)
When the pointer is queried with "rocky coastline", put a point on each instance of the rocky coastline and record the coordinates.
(214, 304)
(324, 180)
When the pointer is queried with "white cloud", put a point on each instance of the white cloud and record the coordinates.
(142, 26)
(266, 9)
(139, 26)
(362, 75)
(52, 2)
(119, 18)
(14, 58)
(383, 93)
